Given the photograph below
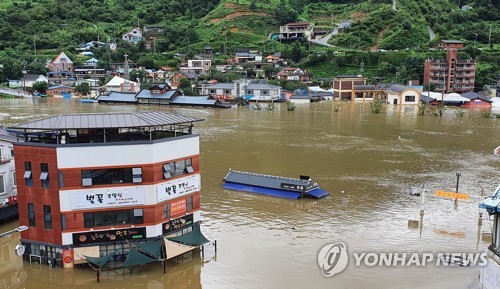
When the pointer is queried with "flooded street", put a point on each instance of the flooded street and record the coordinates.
(368, 162)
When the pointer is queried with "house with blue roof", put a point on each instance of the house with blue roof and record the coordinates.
(157, 94)
(118, 97)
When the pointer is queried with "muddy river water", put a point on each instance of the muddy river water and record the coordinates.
(367, 161)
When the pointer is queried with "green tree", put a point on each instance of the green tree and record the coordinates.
(40, 86)
(83, 88)
(185, 86)
(284, 14)
(296, 53)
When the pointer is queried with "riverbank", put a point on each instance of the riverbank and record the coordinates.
(367, 161)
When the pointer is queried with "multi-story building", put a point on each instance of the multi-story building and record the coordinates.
(8, 184)
(92, 183)
(197, 66)
(451, 74)
(258, 89)
(343, 86)
(295, 31)
(294, 74)
(62, 70)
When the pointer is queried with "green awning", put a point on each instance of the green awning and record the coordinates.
(99, 261)
(152, 249)
(193, 238)
(136, 258)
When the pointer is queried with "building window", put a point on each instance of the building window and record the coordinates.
(410, 98)
(166, 211)
(137, 175)
(212, 91)
(113, 218)
(12, 153)
(138, 216)
(44, 175)
(61, 179)
(189, 203)
(14, 179)
(47, 217)
(31, 215)
(178, 168)
(63, 222)
(2, 184)
(107, 176)
(1, 154)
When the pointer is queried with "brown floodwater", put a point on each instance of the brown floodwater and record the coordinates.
(368, 162)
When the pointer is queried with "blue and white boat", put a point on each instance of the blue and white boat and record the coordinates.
(276, 186)
(87, 100)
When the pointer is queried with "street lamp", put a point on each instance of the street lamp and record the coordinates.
(18, 229)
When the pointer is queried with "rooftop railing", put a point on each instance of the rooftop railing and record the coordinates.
(62, 138)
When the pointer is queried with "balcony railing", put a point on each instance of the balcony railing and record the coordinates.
(65, 138)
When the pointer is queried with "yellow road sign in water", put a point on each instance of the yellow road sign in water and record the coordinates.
(452, 195)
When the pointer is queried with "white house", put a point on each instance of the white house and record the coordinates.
(119, 84)
(15, 83)
(400, 94)
(250, 89)
(197, 66)
(29, 79)
(133, 36)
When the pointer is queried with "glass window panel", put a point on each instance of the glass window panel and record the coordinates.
(44, 176)
(2, 184)
(27, 174)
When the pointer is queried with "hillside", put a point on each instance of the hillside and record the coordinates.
(226, 25)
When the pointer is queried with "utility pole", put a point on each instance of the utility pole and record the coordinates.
(24, 78)
(125, 69)
(95, 79)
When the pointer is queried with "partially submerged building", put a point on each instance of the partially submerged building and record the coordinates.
(91, 186)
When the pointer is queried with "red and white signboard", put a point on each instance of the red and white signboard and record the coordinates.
(105, 198)
(178, 207)
(178, 187)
